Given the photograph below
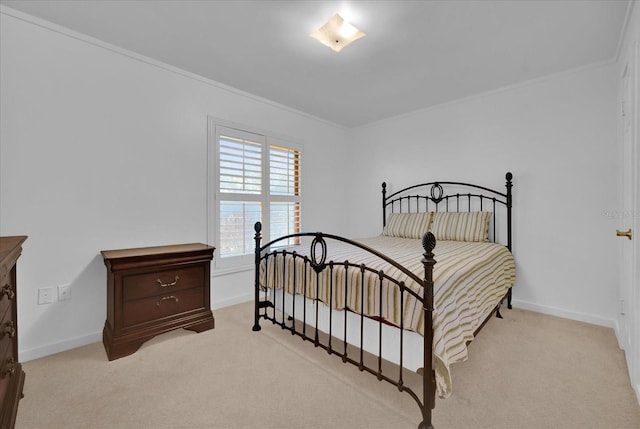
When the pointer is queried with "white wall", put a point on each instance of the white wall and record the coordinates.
(104, 149)
(557, 136)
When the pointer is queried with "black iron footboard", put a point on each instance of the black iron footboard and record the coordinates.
(308, 330)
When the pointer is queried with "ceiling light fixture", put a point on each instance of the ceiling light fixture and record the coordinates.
(337, 33)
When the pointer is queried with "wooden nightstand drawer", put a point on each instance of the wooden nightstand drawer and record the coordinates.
(157, 307)
(162, 282)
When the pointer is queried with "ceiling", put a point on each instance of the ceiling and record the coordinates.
(416, 53)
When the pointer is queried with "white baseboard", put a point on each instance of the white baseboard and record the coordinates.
(239, 299)
(616, 329)
(559, 312)
(62, 346)
(625, 347)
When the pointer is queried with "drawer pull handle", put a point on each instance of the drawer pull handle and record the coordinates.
(7, 290)
(11, 367)
(9, 330)
(164, 298)
(173, 283)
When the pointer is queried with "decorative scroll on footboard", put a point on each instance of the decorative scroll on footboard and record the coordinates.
(315, 265)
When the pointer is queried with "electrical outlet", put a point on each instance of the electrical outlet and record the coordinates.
(64, 292)
(45, 295)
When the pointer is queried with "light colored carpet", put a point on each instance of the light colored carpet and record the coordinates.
(527, 370)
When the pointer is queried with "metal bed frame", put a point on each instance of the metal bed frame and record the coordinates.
(476, 198)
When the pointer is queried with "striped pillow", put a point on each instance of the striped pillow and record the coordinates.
(461, 226)
(407, 225)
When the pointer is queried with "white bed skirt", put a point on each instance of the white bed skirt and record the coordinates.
(413, 343)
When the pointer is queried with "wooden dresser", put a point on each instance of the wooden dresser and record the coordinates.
(154, 290)
(11, 373)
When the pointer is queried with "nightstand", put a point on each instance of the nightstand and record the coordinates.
(153, 290)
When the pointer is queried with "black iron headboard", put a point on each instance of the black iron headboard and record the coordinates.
(451, 196)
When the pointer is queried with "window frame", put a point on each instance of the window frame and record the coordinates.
(216, 127)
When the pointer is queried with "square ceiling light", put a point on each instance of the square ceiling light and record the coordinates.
(337, 33)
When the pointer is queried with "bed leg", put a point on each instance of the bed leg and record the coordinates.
(256, 313)
(509, 299)
(256, 309)
(498, 315)
(256, 318)
(424, 426)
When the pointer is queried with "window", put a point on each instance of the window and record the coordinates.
(255, 177)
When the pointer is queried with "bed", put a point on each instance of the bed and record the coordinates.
(415, 295)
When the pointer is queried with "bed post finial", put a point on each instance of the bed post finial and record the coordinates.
(256, 313)
(429, 376)
(428, 244)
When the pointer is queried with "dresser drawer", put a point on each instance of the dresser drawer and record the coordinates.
(8, 361)
(7, 325)
(11, 374)
(8, 332)
(7, 293)
(162, 282)
(159, 306)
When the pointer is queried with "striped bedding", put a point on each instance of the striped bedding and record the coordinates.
(470, 279)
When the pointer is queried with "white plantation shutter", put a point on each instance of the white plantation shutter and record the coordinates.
(256, 178)
(284, 169)
(285, 220)
(240, 166)
(239, 190)
(284, 190)
(236, 227)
